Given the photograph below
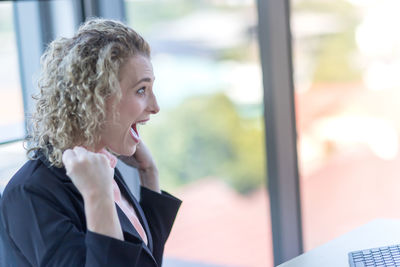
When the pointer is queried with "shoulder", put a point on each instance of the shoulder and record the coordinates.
(32, 174)
(34, 178)
(39, 190)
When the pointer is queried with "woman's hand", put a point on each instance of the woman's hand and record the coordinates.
(141, 159)
(90, 172)
(144, 162)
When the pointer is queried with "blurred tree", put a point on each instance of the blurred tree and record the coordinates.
(205, 136)
(336, 52)
(143, 15)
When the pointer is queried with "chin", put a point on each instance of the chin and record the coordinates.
(129, 151)
(124, 151)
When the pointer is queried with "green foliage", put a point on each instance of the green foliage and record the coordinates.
(241, 53)
(205, 136)
(335, 53)
(334, 62)
(142, 15)
(332, 7)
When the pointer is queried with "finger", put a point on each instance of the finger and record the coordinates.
(80, 152)
(131, 161)
(80, 149)
(127, 158)
(67, 156)
(104, 159)
(67, 159)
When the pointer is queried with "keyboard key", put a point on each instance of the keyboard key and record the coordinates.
(388, 256)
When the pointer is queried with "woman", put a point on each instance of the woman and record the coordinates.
(68, 206)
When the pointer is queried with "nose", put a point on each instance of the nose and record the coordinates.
(153, 106)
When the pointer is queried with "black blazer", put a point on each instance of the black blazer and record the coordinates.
(44, 222)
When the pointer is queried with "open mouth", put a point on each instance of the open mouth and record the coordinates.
(134, 130)
(134, 133)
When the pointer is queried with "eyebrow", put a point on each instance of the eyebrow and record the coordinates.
(143, 80)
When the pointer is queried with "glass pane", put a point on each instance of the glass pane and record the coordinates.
(11, 106)
(12, 156)
(208, 138)
(347, 94)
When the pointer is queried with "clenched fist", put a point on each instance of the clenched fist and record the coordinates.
(90, 172)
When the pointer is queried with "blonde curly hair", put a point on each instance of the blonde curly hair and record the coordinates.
(78, 75)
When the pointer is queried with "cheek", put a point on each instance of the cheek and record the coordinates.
(132, 110)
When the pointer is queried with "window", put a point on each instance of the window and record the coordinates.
(12, 155)
(36, 23)
(208, 138)
(11, 105)
(347, 96)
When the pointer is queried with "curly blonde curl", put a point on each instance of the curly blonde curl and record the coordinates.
(78, 75)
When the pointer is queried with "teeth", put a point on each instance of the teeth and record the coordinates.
(142, 123)
(134, 133)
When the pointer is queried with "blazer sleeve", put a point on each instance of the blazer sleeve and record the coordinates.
(160, 211)
(40, 230)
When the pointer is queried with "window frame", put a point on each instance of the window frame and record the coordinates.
(280, 128)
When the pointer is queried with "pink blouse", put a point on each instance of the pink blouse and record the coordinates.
(124, 205)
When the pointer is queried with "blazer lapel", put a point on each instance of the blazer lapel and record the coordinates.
(126, 224)
(135, 204)
(129, 231)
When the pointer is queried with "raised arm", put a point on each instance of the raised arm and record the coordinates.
(92, 175)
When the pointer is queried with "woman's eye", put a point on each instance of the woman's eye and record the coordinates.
(141, 90)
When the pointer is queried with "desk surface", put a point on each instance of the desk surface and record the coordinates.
(377, 233)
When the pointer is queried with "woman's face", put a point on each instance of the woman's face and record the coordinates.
(138, 101)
